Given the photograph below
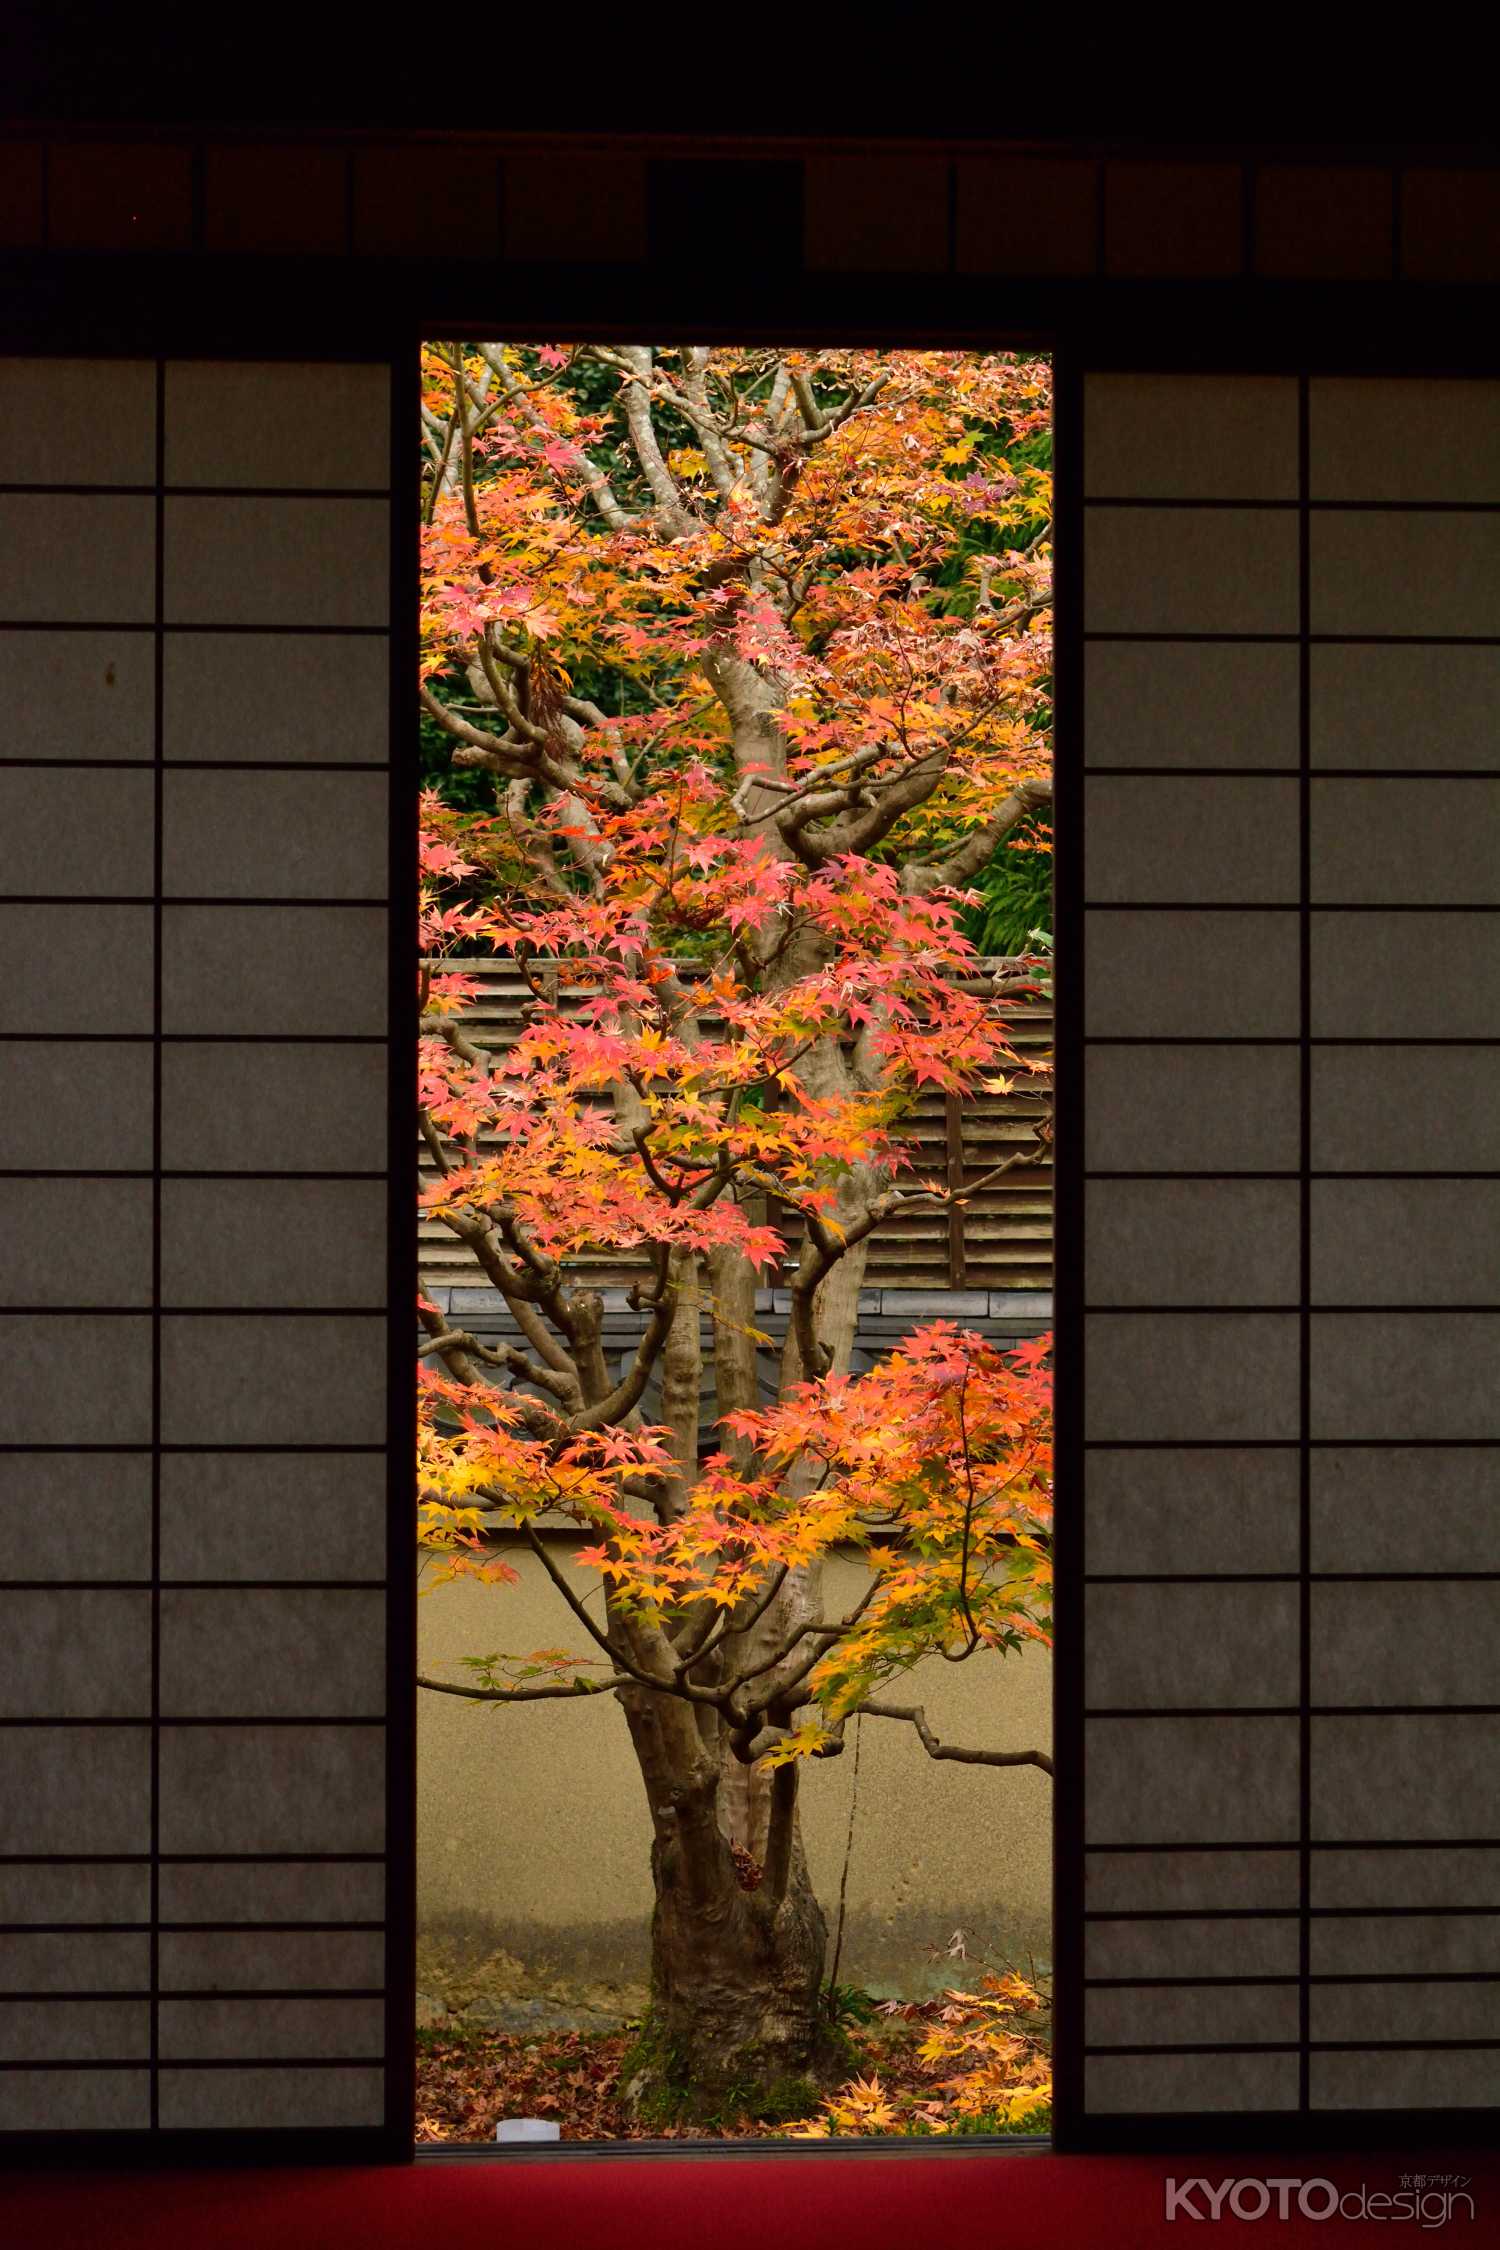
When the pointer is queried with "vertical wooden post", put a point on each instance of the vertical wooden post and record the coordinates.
(954, 1121)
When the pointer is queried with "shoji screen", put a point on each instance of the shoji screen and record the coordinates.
(196, 1410)
(1291, 1269)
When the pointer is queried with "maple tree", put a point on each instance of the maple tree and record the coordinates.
(744, 658)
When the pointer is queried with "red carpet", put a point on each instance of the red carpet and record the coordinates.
(813, 2202)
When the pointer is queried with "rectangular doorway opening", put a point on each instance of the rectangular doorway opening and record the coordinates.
(735, 1240)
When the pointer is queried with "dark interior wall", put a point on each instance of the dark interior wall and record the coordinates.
(347, 238)
(243, 243)
(1116, 209)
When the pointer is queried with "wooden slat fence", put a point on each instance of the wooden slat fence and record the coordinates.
(1002, 1240)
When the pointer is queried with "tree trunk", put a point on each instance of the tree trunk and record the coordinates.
(738, 2026)
(738, 2023)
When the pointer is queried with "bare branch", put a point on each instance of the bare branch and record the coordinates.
(868, 812)
(553, 1691)
(780, 1689)
(721, 466)
(821, 1252)
(595, 482)
(975, 852)
(915, 1716)
(514, 1362)
(634, 360)
(455, 1358)
(502, 753)
(637, 1673)
(434, 1140)
(627, 1394)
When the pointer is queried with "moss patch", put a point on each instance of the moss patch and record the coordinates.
(662, 2089)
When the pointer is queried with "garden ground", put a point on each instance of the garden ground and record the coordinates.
(468, 2079)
